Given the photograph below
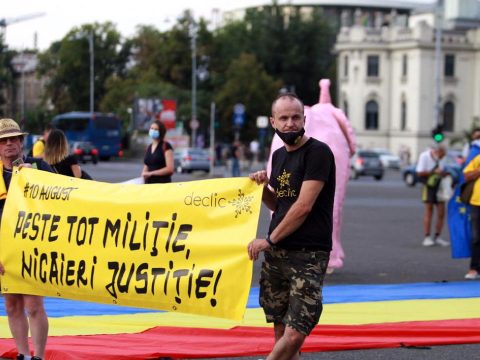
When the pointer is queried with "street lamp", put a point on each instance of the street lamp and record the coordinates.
(19, 64)
(193, 44)
(92, 72)
(199, 71)
(437, 121)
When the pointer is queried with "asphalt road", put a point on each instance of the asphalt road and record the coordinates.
(382, 235)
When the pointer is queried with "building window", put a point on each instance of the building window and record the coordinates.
(404, 65)
(345, 66)
(448, 116)
(373, 63)
(403, 116)
(449, 70)
(371, 115)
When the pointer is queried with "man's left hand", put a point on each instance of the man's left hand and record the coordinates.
(255, 247)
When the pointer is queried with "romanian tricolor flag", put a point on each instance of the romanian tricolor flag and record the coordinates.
(354, 317)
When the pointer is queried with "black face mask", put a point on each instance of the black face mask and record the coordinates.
(290, 138)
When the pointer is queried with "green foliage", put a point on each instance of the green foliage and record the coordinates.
(36, 119)
(246, 61)
(67, 65)
(294, 48)
(247, 83)
(6, 76)
(121, 94)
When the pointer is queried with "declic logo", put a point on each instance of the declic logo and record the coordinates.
(211, 200)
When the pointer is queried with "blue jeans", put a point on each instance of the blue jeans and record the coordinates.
(235, 167)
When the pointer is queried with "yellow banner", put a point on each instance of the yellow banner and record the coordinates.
(178, 247)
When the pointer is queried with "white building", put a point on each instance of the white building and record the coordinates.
(29, 85)
(387, 78)
(371, 13)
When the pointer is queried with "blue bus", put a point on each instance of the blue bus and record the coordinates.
(102, 130)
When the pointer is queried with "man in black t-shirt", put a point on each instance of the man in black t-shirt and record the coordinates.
(23, 311)
(300, 193)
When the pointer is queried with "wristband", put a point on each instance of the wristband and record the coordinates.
(270, 242)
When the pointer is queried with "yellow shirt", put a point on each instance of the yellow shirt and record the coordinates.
(38, 148)
(474, 165)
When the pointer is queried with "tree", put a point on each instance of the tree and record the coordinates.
(248, 83)
(6, 78)
(121, 94)
(67, 64)
(247, 61)
(161, 66)
(291, 46)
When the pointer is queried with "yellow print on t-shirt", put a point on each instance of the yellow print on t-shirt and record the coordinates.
(284, 181)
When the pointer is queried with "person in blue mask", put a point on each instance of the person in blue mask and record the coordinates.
(158, 160)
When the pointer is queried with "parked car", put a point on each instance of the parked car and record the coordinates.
(388, 159)
(85, 151)
(452, 166)
(366, 163)
(191, 159)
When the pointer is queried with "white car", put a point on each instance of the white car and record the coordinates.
(389, 160)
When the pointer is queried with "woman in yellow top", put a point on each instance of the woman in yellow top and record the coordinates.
(39, 146)
(472, 173)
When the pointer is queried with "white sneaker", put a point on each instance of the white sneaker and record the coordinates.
(472, 275)
(441, 242)
(428, 241)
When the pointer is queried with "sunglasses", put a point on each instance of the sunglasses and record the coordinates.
(11, 138)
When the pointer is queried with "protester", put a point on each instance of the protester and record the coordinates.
(38, 148)
(472, 173)
(24, 311)
(58, 156)
(474, 137)
(431, 169)
(254, 148)
(300, 192)
(158, 158)
(235, 156)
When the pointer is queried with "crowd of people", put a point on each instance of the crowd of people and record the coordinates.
(432, 171)
(296, 248)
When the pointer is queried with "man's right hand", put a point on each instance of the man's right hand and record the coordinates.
(260, 177)
(2, 269)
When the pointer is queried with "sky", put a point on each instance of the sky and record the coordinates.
(60, 16)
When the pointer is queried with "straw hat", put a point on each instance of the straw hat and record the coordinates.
(10, 128)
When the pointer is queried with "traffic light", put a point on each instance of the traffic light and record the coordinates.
(437, 134)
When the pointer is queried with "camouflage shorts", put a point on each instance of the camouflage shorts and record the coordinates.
(291, 287)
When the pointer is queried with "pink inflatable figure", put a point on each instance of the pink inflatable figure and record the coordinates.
(329, 124)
